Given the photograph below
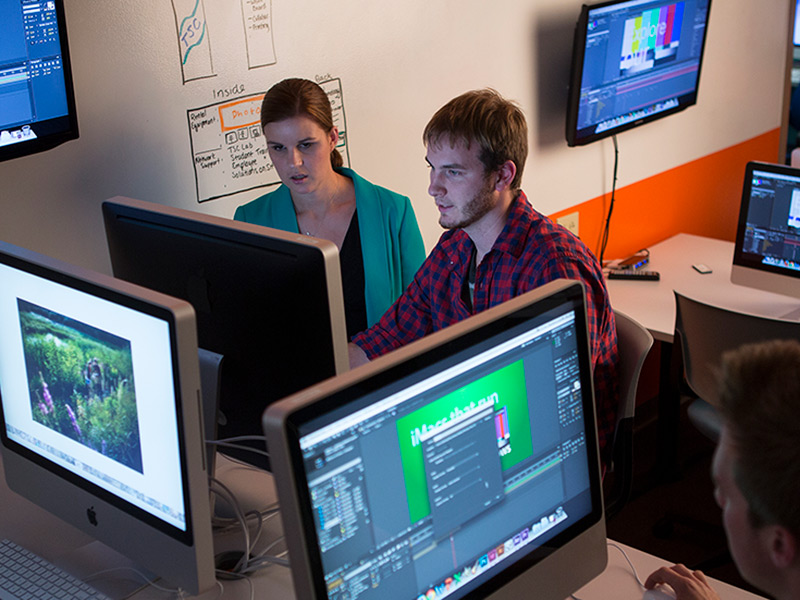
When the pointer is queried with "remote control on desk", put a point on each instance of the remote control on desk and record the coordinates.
(635, 275)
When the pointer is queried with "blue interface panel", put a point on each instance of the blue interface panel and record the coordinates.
(36, 102)
(637, 60)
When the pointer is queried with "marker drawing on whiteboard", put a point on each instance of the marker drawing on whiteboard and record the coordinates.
(228, 149)
(194, 42)
(188, 31)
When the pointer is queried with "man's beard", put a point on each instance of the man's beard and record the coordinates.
(477, 207)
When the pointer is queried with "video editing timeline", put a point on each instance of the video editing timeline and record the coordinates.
(440, 482)
(639, 62)
(773, 220)
(31, 68)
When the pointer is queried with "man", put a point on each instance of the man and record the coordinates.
(756, 470)
(496, 247)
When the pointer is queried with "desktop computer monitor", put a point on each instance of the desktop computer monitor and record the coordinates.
(99, 412)
(464, 465)
(767, 248)
(37, 101)
(270, 302)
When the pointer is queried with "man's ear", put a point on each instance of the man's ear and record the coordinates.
(505, 175)
(781, 545)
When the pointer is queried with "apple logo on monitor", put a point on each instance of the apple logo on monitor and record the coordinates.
(92, 515)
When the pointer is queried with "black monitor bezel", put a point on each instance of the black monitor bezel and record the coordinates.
(577, 137)
(56, 131)
(411, 360)
(749, 260)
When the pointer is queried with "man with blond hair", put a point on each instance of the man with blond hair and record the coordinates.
(496, 245)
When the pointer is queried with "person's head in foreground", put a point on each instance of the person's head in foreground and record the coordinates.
(756, 472)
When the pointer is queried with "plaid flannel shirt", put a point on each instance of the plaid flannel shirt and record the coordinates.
(531, 251)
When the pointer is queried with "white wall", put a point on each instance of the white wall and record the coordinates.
(398, 63)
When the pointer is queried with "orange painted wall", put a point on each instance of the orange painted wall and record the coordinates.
(700, 197)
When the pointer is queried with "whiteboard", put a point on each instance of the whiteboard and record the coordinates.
(152, 75)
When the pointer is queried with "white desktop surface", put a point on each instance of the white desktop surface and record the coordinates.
(652, 303)
(618, 581)
(51, 538)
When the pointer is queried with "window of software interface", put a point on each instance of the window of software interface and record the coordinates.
(773, 220)
(443, 481)
(31, 68)
(640, 58)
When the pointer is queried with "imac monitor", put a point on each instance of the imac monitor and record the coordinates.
(99, 412)
(270, 302)
(464, 465)
(37, 103)
(766, 252)
(633, 61)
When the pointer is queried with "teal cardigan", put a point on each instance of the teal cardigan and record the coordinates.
(391, 244)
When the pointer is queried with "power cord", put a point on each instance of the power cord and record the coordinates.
(604, 241)
(628, 560)
(230, 442)
(240, 564)
(147, 582)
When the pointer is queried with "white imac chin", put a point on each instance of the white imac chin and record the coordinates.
(787, 285)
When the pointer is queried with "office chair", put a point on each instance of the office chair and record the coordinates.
(633, 342)
(705, 332)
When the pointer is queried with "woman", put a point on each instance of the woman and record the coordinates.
(380, 246)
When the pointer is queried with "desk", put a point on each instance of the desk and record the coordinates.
(58, 542)
(652, 303)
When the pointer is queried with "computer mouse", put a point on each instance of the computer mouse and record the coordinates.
(659, 593)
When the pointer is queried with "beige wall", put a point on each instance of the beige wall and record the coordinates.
(397, 62)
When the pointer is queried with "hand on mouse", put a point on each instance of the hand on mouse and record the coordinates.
(688, 585)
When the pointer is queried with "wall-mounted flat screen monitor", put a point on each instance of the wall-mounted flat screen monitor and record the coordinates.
(270, 302)
(633, 61)
(767, 248)
(464, 465)
(37, 102)
(99, 412)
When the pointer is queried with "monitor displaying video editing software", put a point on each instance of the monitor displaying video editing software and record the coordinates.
(37, 104)
(99, 412)
(767, 247)
(633, 61)
(463, 465)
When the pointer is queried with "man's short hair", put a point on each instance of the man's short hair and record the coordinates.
(760, 405)
(484, 117)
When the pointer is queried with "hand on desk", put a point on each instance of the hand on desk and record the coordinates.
(688, 585)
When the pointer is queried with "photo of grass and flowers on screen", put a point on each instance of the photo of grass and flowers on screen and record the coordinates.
(80, 380)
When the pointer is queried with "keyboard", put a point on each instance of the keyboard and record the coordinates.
(24, 576)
